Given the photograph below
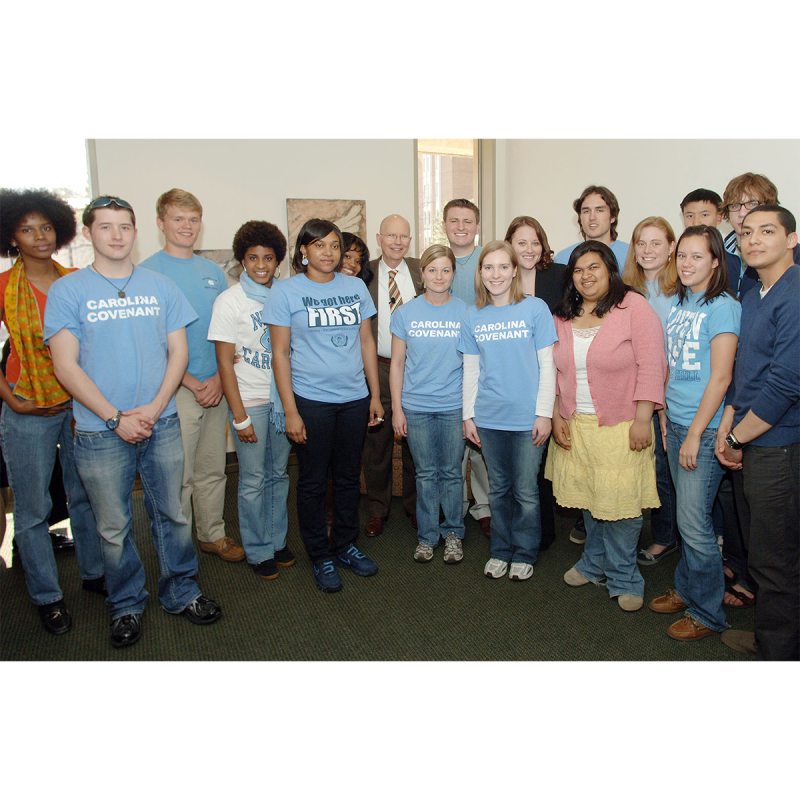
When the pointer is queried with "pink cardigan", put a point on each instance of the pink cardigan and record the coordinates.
(625, 363)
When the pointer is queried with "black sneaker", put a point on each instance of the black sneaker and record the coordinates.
(96, 585)
(266, 569)
(55, 617)
(202, 611)
(126, 630)
(285, 557)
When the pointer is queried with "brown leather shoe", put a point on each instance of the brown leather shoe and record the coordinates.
(669, 603)
(687, 629)
(486, 526)
(374, 526)
(740, 641)
(225, 548)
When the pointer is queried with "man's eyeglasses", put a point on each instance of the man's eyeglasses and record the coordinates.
(749, 205)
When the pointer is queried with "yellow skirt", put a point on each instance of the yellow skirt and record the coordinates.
(601, 473)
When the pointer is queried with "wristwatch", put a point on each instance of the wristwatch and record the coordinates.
(733, 442)
(112, 423)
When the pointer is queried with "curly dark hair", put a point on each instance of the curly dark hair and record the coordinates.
(15, 205)
(350, 241)
(258, 233)
(572, 302)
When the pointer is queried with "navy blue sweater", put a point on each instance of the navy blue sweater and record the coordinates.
(766, 378)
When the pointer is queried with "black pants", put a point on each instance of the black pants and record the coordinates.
(772, 495)
(335, 438)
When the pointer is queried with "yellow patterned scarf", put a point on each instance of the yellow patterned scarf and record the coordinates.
(37, 380)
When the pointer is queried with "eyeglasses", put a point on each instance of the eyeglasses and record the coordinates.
(393, 237)
(108, 200)
(749, 205)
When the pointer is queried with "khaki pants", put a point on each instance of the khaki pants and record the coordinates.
(203, 490)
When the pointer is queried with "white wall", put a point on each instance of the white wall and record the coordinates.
(238, 180)
(649, 177)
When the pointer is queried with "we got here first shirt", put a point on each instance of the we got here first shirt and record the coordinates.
(325, 321)
(506, 338)
(123, 340)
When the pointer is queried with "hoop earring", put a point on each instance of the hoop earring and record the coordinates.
(277, 273)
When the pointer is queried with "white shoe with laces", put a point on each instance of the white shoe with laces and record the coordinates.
(495, 568)
(520, 571)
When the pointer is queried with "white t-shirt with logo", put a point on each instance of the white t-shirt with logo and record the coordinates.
(237, 319)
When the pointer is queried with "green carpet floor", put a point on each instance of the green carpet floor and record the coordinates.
(408, 611)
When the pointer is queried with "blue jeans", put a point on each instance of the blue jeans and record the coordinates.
(436, 439)
(334, 441)
(663, 521)
(263, 488)
(610, 551)
(512, 460)
(108, 467)
(29, 447)
(699, 579)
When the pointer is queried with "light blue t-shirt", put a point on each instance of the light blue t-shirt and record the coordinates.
(434, 366)
(325, 319)
(464, 280)
(123, 341)
(507, 338)
(690, 328)
(660, 303)
(202, 281)
(619, 248)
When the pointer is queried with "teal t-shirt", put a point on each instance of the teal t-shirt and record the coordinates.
(325, 321)
(691, 326)
(123, 341)
(434, 366)
(202, 281)
(507, 338)
(464, 280)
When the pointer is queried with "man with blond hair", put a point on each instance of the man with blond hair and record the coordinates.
(202, 409)
(397, 281)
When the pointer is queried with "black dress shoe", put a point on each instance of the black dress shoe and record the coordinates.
(61, 542)
(96, 585)
(126, 630)
(202, 611)
(55, 617)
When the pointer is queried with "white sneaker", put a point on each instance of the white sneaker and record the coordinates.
(520, 571)
(574, 578)
(423, 553)
(453, 549)
(630, 602)
(495, 568)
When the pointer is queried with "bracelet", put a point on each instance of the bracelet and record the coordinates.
(245, 423)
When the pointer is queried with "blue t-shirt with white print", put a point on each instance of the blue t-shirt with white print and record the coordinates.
(434, 366)
(506, 338)
(202, 281)
(123, 341)
(325, 321)
(691, 326)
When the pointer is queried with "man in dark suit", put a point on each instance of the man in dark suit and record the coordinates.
(397, 281)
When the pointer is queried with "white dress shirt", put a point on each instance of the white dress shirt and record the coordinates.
(406, 286)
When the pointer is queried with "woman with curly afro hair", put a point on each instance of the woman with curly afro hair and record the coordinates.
(244, 360)
(37, 410)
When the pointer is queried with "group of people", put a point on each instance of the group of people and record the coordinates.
(611, 378)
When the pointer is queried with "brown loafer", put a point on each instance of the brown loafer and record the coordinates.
(687, 629)
(374, 526)
(669, 603)
(486, 526)
(225, 548)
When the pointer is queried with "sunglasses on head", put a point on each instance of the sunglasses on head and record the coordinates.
(108, 200)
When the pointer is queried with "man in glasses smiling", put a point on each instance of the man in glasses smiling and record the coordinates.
(117, 334)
